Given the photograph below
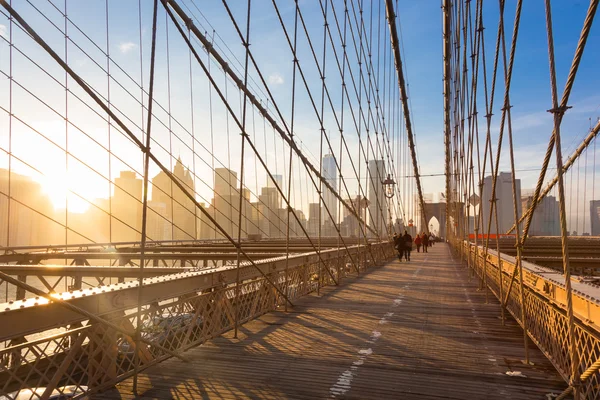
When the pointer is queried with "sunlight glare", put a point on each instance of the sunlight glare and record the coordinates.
(61, 186)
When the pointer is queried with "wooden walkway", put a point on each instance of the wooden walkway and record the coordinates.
(416, 330)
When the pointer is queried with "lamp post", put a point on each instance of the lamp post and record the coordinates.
(388, 190)
(388, 186)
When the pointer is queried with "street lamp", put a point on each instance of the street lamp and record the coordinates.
(388, 186)
(388, 191)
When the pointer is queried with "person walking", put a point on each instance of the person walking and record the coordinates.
(418, 242)
(399, 245)
(408, 240)
(425, 240)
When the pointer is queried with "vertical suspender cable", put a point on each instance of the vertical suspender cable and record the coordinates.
(289, 188)
(145, 199)
(402, 86)
(446, 7)
(240, 194)
(558, 112)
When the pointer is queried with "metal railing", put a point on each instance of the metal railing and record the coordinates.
(545, 311)
(52, 347)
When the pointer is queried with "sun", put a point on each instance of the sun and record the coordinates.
(60, 193)
(64, 191)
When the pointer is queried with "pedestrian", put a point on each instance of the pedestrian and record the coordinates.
(431, 240)
(399, 245)
(408, 240)
(425, 240)
(418, 242)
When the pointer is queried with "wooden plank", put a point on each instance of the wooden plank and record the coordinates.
(417, 330)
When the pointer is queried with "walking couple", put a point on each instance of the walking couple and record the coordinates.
(403, 244)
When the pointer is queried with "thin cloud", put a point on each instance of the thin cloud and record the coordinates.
(275, 79)
(3, 31)
(531, 120)
(126, 47)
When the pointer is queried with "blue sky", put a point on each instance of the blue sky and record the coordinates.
(207, 143)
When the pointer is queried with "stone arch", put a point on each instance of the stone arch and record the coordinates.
(437, 210)
(434, 225)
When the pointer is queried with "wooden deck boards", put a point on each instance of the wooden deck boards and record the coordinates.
(417, 330)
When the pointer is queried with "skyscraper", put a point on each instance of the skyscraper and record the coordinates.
(378, 207)
(546, 218)
(279, 181)
(270, 222)
(29, 212)
(127, 208)
(181, 210)
(350, 224)
(157, 222)
(504, 202)
(226, 200)
(225, 181)
(313, 219)
(595, 217)
(329, 173)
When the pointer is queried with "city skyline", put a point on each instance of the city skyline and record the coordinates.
(174, 217)
(200, 132)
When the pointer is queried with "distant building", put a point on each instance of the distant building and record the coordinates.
(127, 208)
(226, 201)
(181, 210)
(207, 228)
(253, 219)
(504, 203)
(350, 224)
(313, 219)
(158, 226)
(329, 173)
(546, 218)
(278, 179)
(26, 220)
(378, 205)
(595, 217)
(298, 232)
(270, 223)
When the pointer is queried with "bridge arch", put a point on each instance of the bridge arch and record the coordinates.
(437, 211)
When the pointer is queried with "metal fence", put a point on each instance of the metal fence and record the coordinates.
(545, 319)
(71, 353)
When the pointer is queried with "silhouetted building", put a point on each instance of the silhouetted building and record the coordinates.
(279, 181)
(270, 221)
(226, 201)
(504, 202)
(595, 217)
(207, 228)
(546, 218)
(127, 208)
(350, 225)
(313, 219)
(329, 173)
(378, 207)
(26, 220)
(158, 226)
(181, 210)
(296, 225)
